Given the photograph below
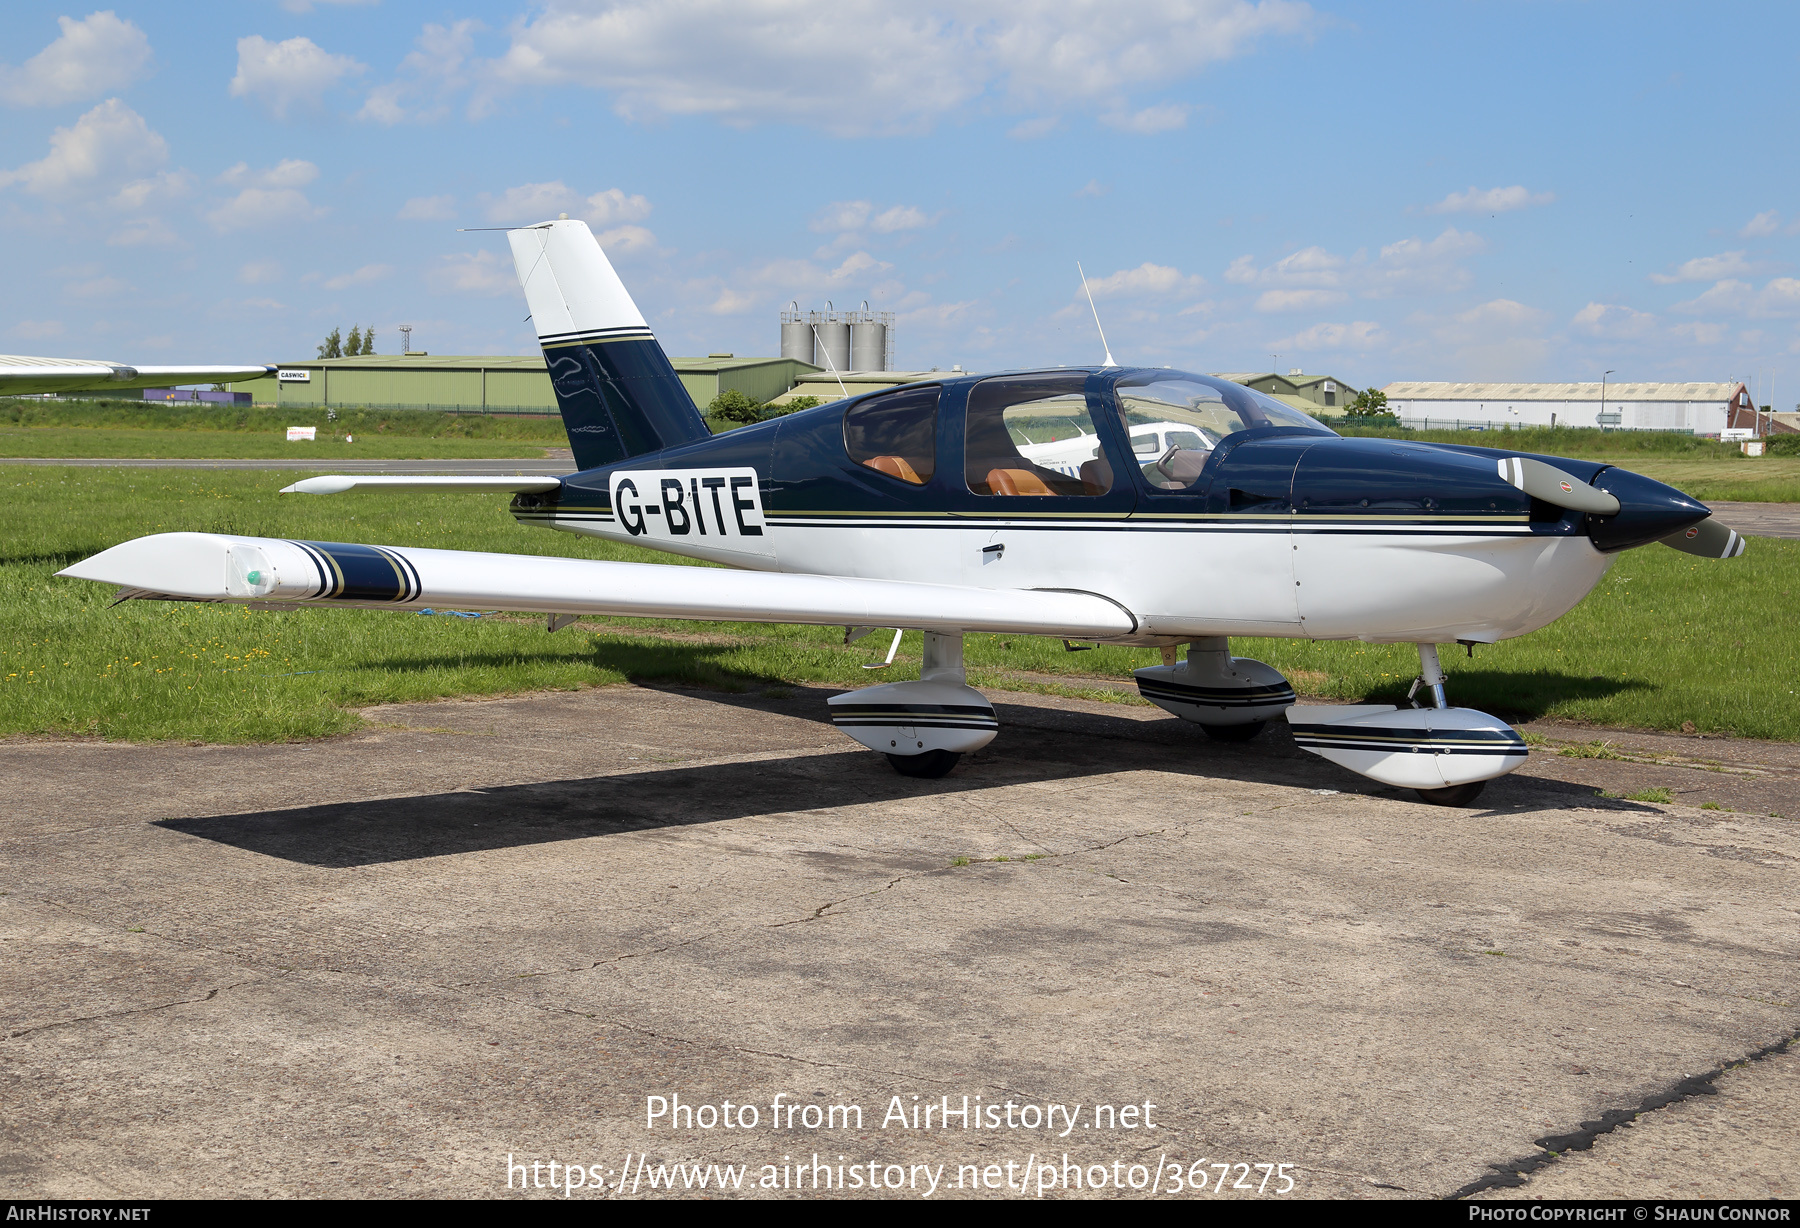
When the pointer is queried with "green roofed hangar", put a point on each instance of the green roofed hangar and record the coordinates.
(509, 384)
(492, 383)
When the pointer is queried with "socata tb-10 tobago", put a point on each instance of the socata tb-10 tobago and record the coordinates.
(1103, 504)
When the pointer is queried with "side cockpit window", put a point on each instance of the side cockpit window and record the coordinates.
(895, 433)
(1033, 435)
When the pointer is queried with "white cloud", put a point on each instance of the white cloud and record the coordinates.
(1613, 322)
(900, 217)
(537, 202)
(97, 288)
(1356, 335)
(1032, 129)
(612, 205)
(257, 272)
(842, 215)
(361, 277)
(37, 330)
(624, 240)
(1491, 200)
(1497, 340)
(287, 173)
(270, 196)
(429, 76)
(731, 303)
(849, 218)
(109, 145)
(306, 6)
(1780, 297)
(96, 55)
(143, 232)
(255, 207)
(480, 272)
(428, 209)
(1146, 279)
(1298, 300)
(1415, 266)
(860, 66)
(164, 185)
(1762, 225)
(291, 74)
(1411, 266)
(1707, 268)
(1163, 117)
(1093, 187)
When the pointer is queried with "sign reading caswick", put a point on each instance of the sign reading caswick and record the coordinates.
(294, 377)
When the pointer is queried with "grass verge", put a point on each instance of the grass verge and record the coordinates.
(1665, 638)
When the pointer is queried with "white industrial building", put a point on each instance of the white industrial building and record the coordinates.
(1701, 409)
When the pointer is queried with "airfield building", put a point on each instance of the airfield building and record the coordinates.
(1311, 394)
(1698, 409)
(492, 384)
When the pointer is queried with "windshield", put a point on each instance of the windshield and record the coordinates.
(1175, 419)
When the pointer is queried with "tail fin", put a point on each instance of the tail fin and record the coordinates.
(618, 394)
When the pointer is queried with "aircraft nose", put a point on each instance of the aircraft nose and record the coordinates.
(1648, 511)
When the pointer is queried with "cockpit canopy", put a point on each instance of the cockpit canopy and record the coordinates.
(1038, 434)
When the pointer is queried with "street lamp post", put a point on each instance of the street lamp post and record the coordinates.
(1603, 399)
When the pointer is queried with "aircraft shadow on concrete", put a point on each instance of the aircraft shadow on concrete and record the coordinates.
(1042, 744)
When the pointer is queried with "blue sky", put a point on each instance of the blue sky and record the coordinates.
(1380, 191)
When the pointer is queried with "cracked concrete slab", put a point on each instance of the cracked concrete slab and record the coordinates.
(379, 964)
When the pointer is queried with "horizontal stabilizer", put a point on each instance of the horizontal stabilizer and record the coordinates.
(20, 375)
(338, 483)
(217, 567)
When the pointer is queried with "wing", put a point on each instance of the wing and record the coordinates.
(20, 374)
(216, 567)
(338, 483)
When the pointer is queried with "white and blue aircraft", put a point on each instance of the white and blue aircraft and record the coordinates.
(1098, 504)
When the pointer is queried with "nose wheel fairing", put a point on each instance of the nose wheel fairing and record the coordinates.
(1410, 748)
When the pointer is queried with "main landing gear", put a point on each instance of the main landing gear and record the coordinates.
(923, 727)
(1231, 698)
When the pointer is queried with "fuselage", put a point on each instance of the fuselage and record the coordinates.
(1281, 528)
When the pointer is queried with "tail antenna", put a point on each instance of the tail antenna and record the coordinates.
(1090, 298)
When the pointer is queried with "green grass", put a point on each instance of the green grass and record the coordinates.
(1664, 639)
(185, 430)
(200, 416)
(205, 445)
(1704, 468)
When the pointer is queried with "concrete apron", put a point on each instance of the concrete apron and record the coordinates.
(381, 964)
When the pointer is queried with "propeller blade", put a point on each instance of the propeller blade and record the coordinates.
(1709, 539)
(1552, 485)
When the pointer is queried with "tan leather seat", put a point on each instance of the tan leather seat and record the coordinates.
(1016, 482)
(1096, 476)
(895, 467)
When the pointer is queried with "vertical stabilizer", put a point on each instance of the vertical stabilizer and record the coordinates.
(618, 394)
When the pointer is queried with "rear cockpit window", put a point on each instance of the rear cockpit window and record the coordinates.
(1033, 435)
(895, 433)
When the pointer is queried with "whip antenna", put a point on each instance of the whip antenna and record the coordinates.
(1090, 298)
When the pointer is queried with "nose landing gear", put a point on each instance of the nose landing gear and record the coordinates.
(1444, 754)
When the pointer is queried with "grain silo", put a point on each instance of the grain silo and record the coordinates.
(833, 338)
(797, 334)
(869, 339)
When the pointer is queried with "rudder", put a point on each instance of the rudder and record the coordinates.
(618, 394)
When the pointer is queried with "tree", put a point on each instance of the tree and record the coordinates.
(333, 347)
(735, 406)
(1369, 403)
(369, 340)
(353, 343)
